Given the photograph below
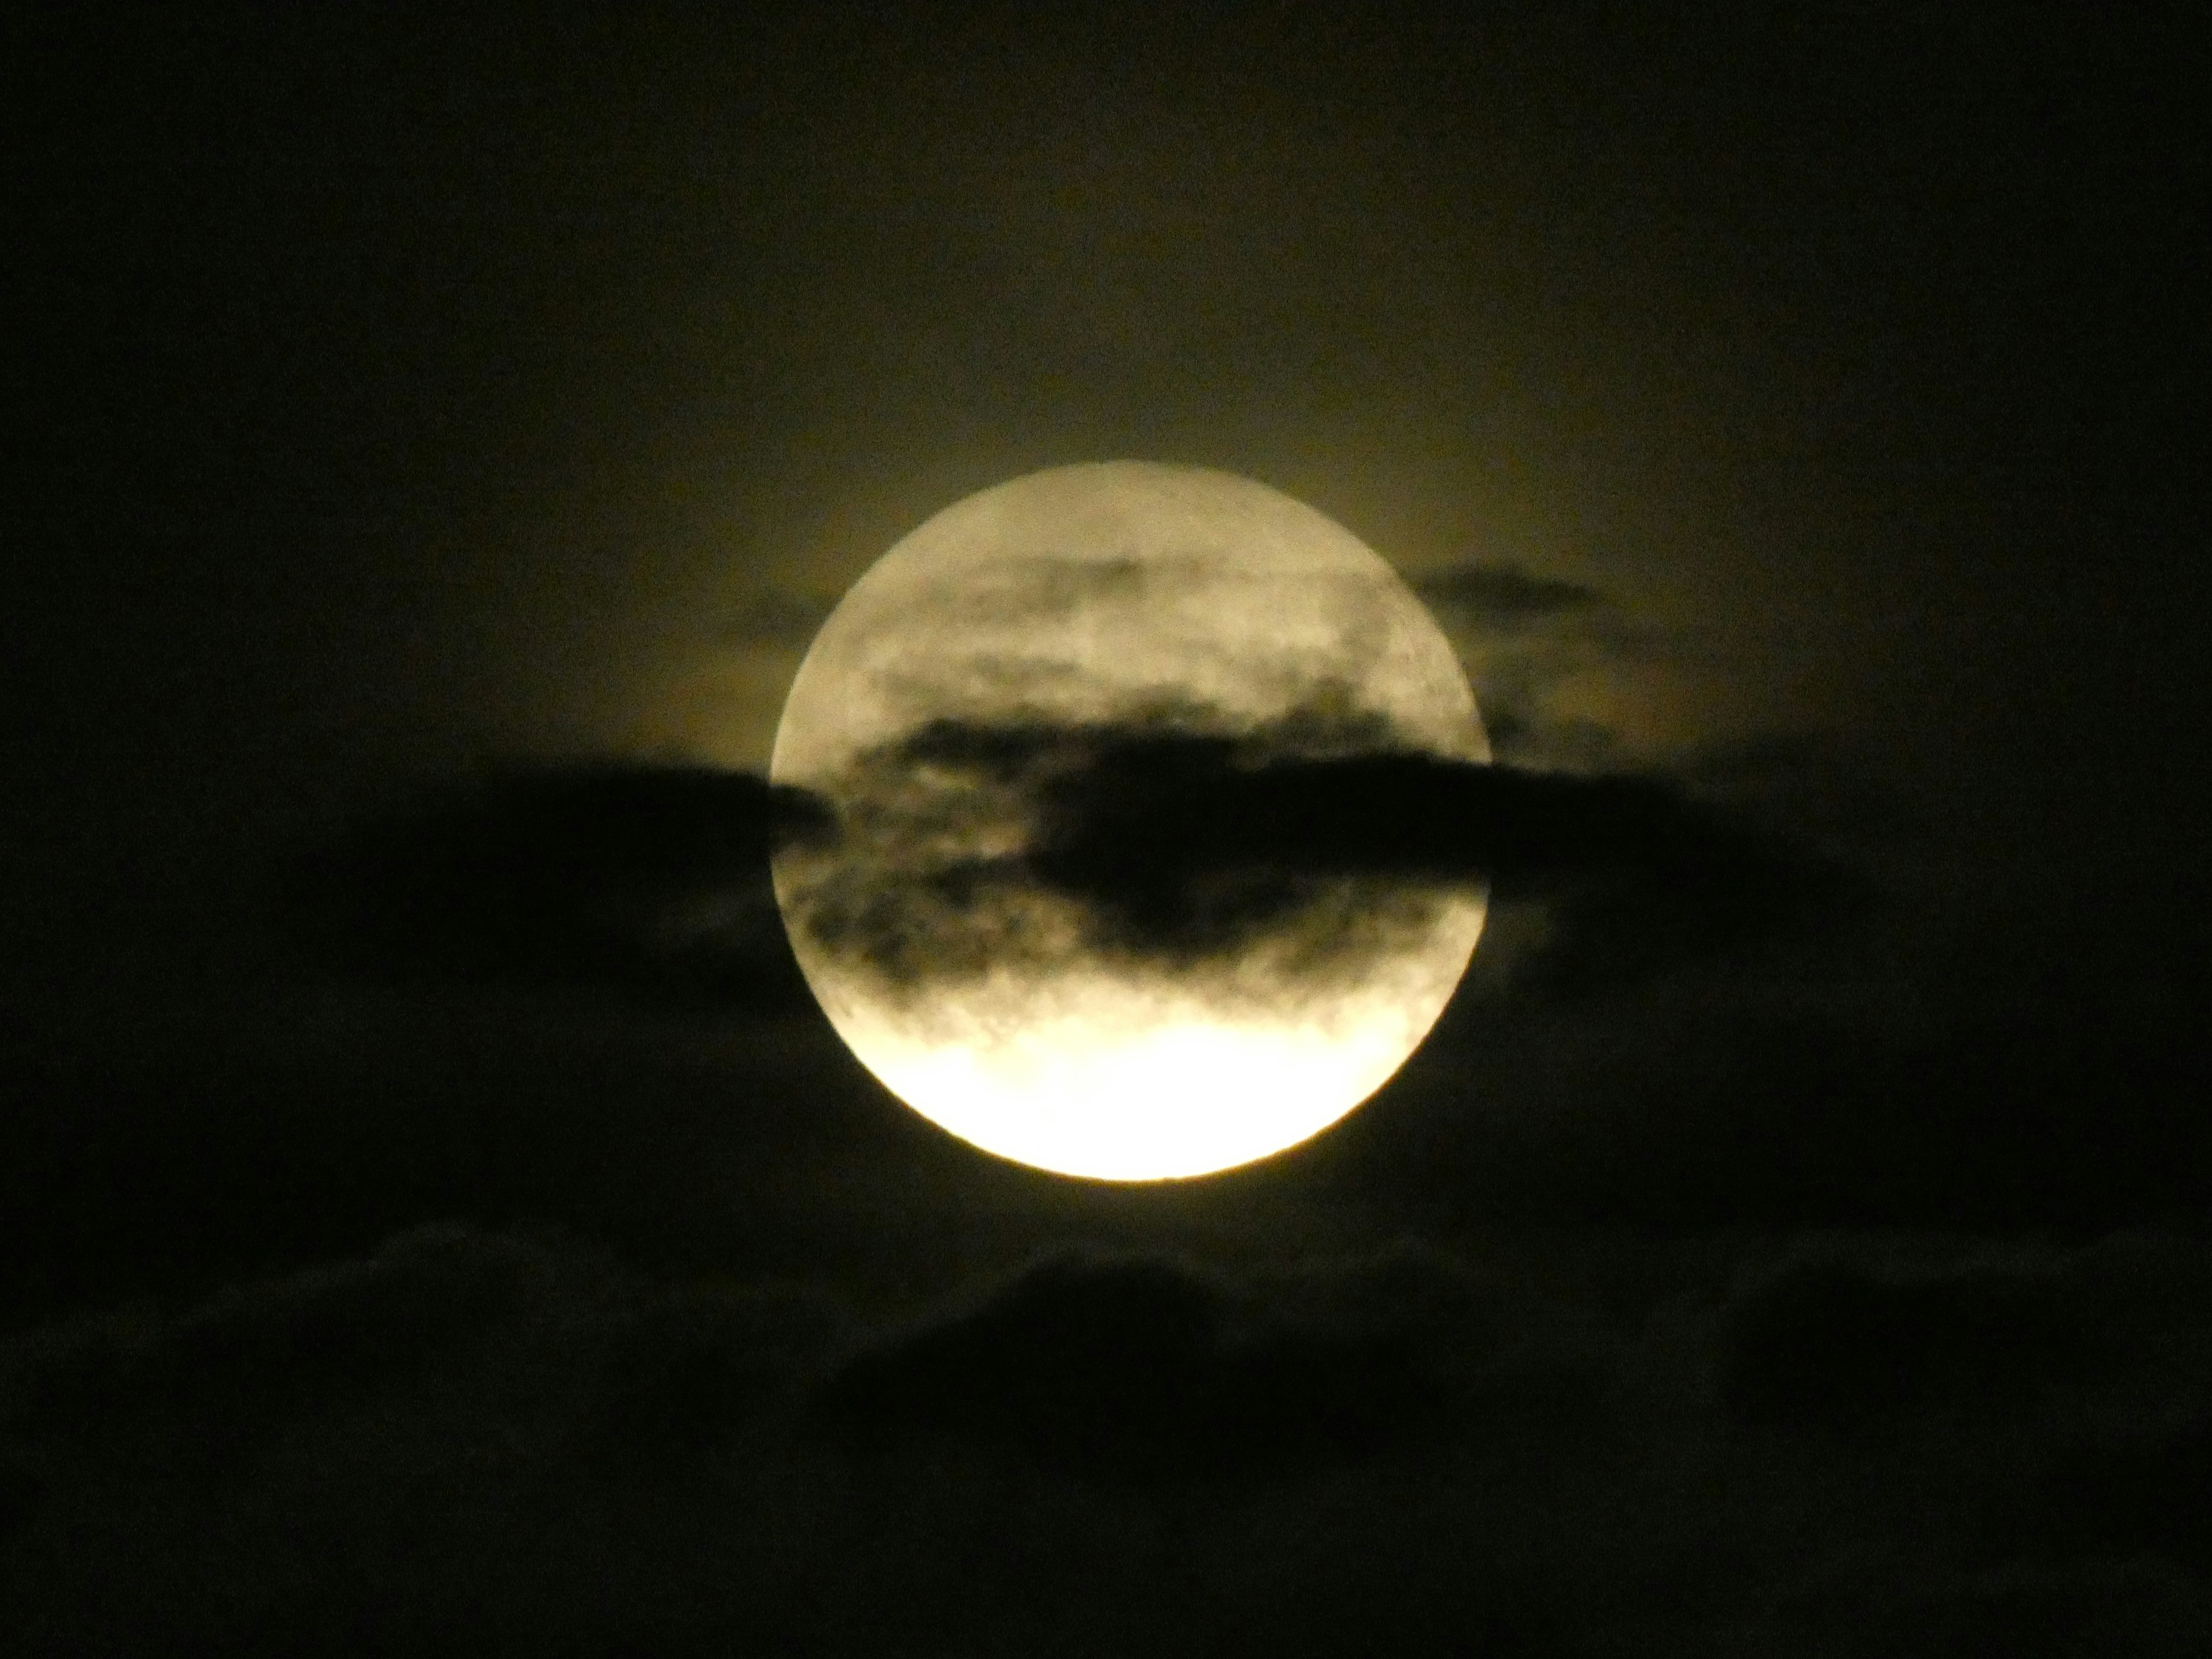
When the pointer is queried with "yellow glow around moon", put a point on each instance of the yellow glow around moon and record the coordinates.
(1085, 597)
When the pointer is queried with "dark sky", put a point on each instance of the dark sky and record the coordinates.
(434, 1217)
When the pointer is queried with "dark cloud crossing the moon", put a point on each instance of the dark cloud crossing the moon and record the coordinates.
(1182, 845)
(1174, 844)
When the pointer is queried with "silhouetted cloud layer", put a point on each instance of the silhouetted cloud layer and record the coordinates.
(1841, 1339)
(652, 877)
(472, 1440)
(1504, 595)
(193, 1391)
(1179, 844)
(1156, 838)
(1145, 1368)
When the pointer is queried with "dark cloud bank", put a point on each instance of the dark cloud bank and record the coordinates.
(1177, 846)
(1180, 843)
(1505, 596)
(1664, 1024)
(651, 878)
(473, 1441)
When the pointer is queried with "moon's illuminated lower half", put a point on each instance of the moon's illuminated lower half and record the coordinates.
(1031, 623)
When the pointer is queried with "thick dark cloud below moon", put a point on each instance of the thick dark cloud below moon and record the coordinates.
(467, 1441)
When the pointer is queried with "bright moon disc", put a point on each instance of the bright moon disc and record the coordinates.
(1064, 608)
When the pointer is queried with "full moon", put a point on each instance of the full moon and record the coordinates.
(1002, 641)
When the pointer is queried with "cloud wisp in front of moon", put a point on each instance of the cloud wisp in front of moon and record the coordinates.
(971, 850)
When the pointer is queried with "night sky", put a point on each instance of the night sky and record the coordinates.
(434, 1217)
